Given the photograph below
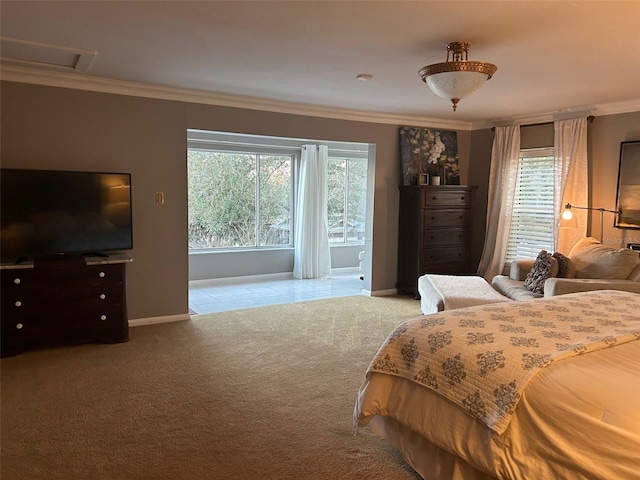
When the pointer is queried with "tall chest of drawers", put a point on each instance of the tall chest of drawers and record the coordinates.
(434, 232)
(62, 302)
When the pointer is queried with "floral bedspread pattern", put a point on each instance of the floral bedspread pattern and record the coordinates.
(482, 358)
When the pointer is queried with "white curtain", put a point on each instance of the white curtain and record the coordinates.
(572, 177)
(505, 155)
(312, 258)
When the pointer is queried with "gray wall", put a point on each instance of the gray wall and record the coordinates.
(480, 164)
(206, 265)
(58, 128)
(605, 135)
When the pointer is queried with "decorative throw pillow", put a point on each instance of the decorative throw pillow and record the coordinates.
(595, 260)
(566, 268)
(545, 266)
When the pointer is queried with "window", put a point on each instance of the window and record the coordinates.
(346, 198)
(533, 215)
(239, 199)
(241, 190)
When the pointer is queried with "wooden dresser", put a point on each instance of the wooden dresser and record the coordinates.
(434, 233)
(63, 301)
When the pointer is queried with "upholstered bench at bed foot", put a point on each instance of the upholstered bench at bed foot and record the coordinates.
(447, 292)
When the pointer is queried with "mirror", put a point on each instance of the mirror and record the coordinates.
(628, 196)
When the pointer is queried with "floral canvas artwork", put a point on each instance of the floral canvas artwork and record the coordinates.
(431, 152)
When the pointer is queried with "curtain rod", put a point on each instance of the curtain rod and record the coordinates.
(590, 118)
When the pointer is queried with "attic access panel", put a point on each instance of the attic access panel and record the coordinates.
(34, 54)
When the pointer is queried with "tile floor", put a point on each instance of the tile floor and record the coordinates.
(219, 295)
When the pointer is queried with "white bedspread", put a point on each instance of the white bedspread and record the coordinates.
(482, 358)
(577, 419)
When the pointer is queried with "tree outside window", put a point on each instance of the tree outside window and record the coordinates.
(238, 199)
(347, 191)
(244, 199)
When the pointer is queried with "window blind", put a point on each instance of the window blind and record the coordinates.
(532, 214)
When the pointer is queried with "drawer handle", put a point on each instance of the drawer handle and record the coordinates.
(17, 281)
(102, 274)
(102, 296)
(434, 198)
(462, 198)
(460, 217)
(19, 326)
(18, 303)
(103, 317)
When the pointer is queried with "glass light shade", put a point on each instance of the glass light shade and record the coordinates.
(458, 85)
(567, 219)
(458, 77)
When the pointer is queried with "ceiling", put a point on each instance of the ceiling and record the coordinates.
(553, 57)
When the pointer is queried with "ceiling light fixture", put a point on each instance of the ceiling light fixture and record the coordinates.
(459, 77)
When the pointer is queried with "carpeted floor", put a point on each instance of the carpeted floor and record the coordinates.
(264, 393)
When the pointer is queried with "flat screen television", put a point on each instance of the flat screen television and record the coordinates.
(47, 213)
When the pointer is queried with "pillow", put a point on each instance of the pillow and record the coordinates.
(594, 260)
(566, 268)
(545, 266)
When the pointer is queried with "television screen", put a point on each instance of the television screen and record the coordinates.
(51, 212)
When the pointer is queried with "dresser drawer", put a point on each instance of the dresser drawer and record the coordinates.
(43, 280)
(445, 254)
(85, 298)
(446, 268)
(20, 334)
(443, 218)
(431, 198)
(446, 236)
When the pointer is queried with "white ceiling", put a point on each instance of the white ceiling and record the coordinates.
(552, 56)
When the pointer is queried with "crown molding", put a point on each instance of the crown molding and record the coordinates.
(614, 108)
(618, 107)
(80, 81)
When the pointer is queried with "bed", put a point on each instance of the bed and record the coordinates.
(540, 389)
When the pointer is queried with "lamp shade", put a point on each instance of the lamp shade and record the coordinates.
(567, 218)
(456, 84)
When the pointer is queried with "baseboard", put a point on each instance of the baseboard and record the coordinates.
(267, 276)
(380, 293)
(138, 322)
(261, 277)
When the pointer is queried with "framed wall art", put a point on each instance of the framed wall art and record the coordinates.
(628, 195)
(426, 154)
